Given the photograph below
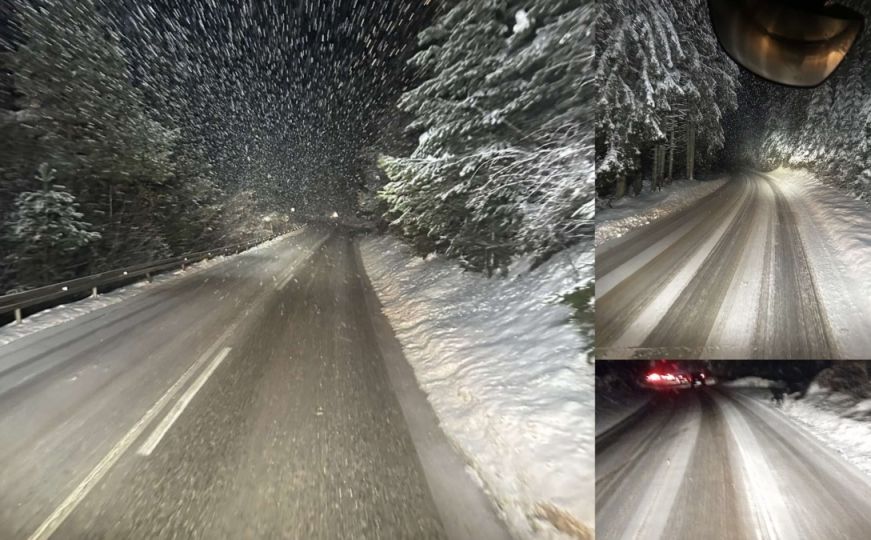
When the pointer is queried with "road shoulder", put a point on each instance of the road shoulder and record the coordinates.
(464, 508)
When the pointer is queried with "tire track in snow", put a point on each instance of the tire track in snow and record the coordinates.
(661, 299)
(736, 321)
(715, 464)
(710, 483)
(638, 480)
(837, 290)
(792, 322)
(809, 489)
(702, 297)
(738, 283)
(619, 308)
(770, 516)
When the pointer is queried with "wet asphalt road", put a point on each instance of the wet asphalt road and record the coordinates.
(720, 464)
(247, 400)
(728, 277)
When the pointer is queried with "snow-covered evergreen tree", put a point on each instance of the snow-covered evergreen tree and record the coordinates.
(46, 232)
(826, 129)
(664, 85)
(504, 121)
(78, 109)
(636, 52)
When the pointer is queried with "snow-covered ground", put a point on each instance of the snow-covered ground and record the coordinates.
(505, 370)
(749, 382)
(839, 421)
(67, 312)
(844, 226)
(631, 213)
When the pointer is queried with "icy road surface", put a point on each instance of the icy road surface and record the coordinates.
(748, 271)
(719, 464)
(247, 400)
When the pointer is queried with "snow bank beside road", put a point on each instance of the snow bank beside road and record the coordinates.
(631, 213)
(833, 418)
(504, 369)
(618, 398)
(749, 382)
(840, 422)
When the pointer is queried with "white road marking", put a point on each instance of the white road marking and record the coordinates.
(286, 279)
(151, 443)
(63, 511)
(54, 521)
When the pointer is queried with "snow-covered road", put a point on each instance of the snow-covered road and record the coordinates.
(252, 399)
(722, 464)
(749, 271)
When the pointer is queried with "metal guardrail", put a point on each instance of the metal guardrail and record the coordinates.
(16, 302)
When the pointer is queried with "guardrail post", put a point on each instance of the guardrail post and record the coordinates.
(148, 277)
(18, 315)
(93, 292)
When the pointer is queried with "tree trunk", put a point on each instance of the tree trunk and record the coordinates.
(621, 188)
(638, 183)
(691, 149)
(662, 153)
(670, 150)
(660, 170)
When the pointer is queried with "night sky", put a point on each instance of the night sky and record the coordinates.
(284, 95)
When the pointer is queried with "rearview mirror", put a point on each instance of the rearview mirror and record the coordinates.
(797, 43)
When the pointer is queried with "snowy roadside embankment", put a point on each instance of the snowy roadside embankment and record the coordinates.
(611, 412)
(839, 421)
(631, 213)
(835, 419)
(504, 368)
(67, 312)
(617, 398)
(748, 382)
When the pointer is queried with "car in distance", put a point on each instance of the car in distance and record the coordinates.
(672, 376)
